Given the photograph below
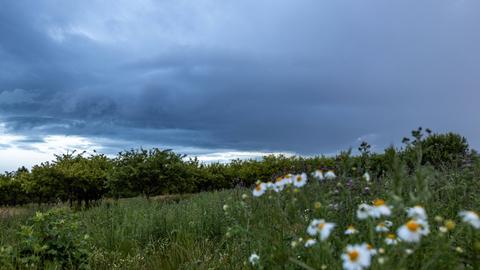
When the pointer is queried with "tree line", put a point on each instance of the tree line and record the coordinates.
(82, 179)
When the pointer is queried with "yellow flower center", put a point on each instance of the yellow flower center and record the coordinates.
(391, 236)
(258, 187)
(413, 226)
(279, 179)
(378, 202)
(369, 246)
(351, 227)
(321, 225)
(381, 224)
(450, 224)
(353, 255)
(299, 178)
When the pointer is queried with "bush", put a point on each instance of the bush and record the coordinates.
(149, 172)
(445, 150)
(52, 239)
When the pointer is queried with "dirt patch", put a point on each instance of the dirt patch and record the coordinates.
(9, 212)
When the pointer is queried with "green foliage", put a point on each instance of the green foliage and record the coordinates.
(442, 150)
(50, 240)
(220, 230)
(44, 184)
(85, 179)
(11, 190)
(70, 177)
(149, 172)
(439, 150)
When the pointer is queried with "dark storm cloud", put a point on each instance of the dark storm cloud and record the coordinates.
(300, 76)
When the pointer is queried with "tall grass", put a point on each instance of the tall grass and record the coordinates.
(220, 230)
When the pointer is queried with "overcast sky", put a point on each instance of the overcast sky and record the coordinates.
(230, 78)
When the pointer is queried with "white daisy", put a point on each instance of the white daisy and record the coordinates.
(381, 227)
(254, 259)
(288, 179)
(330, 175)
(279, 184)
(356, 257)
(471, 218)
(372, 250)
(259, 189)
(351, 230)
(300, 180)
(379, 209)
(388, 223)
(318, 174)
(270, 186)
(413, 230)
(363, 211)
(310, 242)
(366, 177)
(391, 239)
(417, 212)
(320, 227)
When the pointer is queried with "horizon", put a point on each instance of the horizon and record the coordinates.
(217, 157)
(227, 80)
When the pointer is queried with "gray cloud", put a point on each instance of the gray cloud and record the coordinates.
(305, 76)
(16, 96)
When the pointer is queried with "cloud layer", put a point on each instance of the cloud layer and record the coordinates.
(208, 76)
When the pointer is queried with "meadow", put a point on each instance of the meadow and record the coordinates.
(410, 215)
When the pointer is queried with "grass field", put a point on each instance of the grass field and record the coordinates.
(221, 230)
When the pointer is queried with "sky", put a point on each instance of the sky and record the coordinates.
(233, 79)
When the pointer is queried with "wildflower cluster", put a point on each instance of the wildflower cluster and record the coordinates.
(411, 229)
(288, 180)
(416, 227)
(376, 210)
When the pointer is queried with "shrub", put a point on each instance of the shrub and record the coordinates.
(52, 239)
(445, 150)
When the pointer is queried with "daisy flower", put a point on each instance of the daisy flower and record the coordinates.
(391, 239)
(270, 186)
(288, 179)
(413, 230)
(373, 251)
(382, 227)
(310, 242)
(356, 257)
(318, 174)
(259, 189)
(300, 180)
(330, 175)
(279, 184)
(320, 227)
(471, 218)
(254, 259)
(388, 223)
(379, 209)
(363, 211)
(351, 230)
(417, 212)
(366, 177)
